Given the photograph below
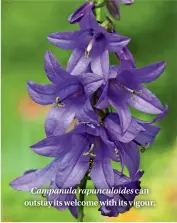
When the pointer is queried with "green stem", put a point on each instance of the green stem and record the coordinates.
(98, 11)
(81, 198)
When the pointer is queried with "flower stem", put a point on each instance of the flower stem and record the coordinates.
(83, 184)
(98, 11)
(81, 198)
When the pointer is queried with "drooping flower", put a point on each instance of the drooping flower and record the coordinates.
(84, 150)
(67, 169)
(139, 133)
(124, 201)
(70, 96)
(125, 88)
(113, 6)
(81, 11)
(90, 44)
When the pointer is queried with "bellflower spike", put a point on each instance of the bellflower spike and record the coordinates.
(124, 201)
(81, 11)
(125, 88)
(91, 44)
(70, 96)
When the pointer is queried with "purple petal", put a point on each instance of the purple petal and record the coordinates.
(74, 211)
(64, 40)
(77, 63)
(113, 72)
(36, 178)
(112, 125)
(53, 69)
(103, 101)
(124, 182)
(80, 12)
(151, 72)
(102, 173)
(116, 42)
(52, 146)
(126, 58)
(43, 94)
(138, 175)
(58, 120)
(91, 82)
(157, 119)
(124, 114)
(147, 138)
(89, 22)
(100, 64)
(110, 211)
(74, 165)
(131, 158)
(87, 128)
(162, 115)
(85, 112)
(146, 102)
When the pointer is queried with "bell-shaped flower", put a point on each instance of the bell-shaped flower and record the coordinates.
(68, 94)
(122, 201)
(90, 44)
(85, 149)
(124, 87)
(139, 133)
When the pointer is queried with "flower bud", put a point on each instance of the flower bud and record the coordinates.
(113, 8)
(80, 12)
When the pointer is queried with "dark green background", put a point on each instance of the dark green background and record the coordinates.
(25, 26)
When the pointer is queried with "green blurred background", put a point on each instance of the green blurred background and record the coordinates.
(25, 25)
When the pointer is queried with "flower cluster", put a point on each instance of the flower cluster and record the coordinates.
(97, 96)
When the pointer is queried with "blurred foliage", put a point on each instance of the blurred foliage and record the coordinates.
(25, 25)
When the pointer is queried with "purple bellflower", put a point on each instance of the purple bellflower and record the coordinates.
(86, 149)
(70, 96)
(124, 201)
(74, 154)
(90, 44)
(139, 133)
(125, 88)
